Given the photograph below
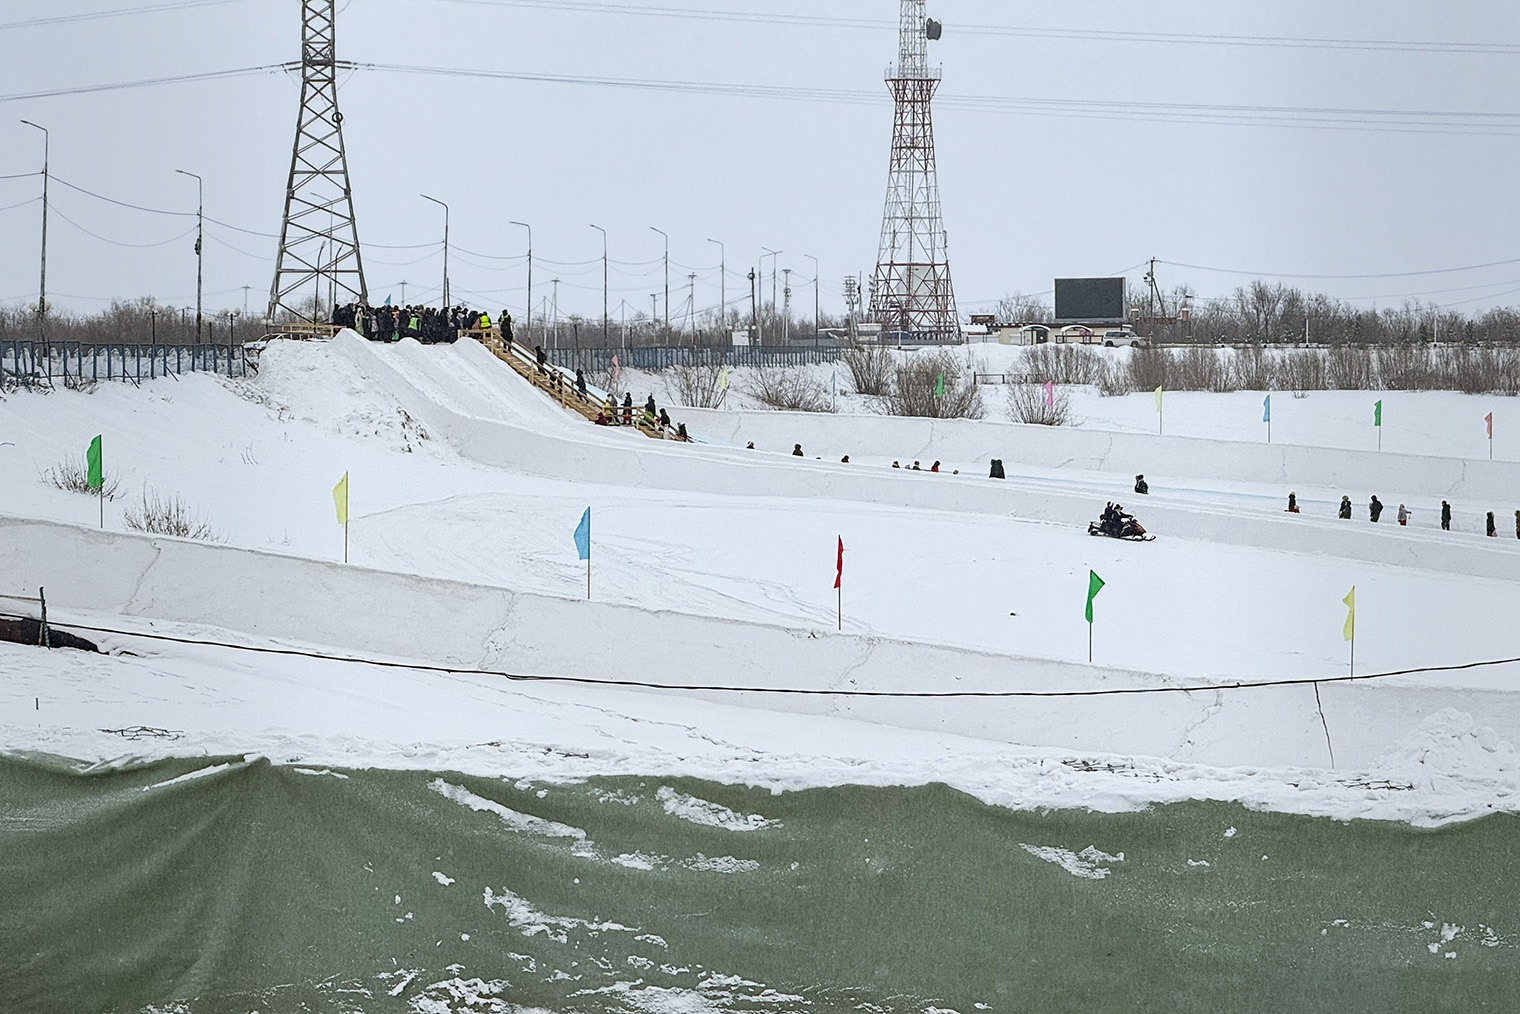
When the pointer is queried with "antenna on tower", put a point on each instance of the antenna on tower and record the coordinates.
(911, 292)
(319, 240)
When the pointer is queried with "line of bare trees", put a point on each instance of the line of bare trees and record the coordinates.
(132, 322)
(1272, 313)
(1471, 369)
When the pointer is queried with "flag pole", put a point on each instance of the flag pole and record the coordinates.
(102, 505)
(345, 540)
(840, 592)
(588, 578)
(1089, 641)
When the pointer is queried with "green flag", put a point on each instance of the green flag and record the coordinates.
(1377, 414)
(939, 386)
(97, 476)
(1094, 586)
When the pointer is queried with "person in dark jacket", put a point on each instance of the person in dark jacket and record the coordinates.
(538, 354)
(1492, 531)
(1292, 503)
(682, 435)
(1517, 524)
(1141, 486)
(1375, 508)
(664, 420)
(934, 467)
(580, 383)
(797, 451)
(628, 409)
(1445, 516)
(997, 469)
(1345, 511)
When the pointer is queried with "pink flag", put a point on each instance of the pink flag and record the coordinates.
(1050, 394)
(1490, 420)
(617, 371)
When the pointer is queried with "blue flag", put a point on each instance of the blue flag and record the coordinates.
(1266, 406)
(583, 536)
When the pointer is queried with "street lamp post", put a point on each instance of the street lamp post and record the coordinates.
(445, 208)
(722, 290)
(528, 323)
(815, 295)
(667, 280)
(555, 316)
(773, 255)
(605, 314)
(200, 237)
(42, 296)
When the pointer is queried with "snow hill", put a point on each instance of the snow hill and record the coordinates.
(714, 567)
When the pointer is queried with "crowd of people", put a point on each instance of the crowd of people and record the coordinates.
(1375, 514)
(427, 324)
(650, 416)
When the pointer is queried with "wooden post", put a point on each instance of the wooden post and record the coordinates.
(43, 637)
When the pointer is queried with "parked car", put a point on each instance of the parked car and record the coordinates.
(1122, 340)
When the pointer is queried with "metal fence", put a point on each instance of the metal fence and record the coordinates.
(31, 363)
(663, 358)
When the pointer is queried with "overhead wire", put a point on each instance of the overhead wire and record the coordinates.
(150, 82)
(1025, 31)
(54, 212)
(157, 8)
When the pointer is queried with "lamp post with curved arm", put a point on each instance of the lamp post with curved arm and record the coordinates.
(605, 315)
(667, 279)
(445, 208)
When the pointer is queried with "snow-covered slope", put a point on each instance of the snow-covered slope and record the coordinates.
(715, 565)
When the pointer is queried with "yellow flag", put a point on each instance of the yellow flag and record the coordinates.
(1158, 399)
(340, 498)
(1350, 601)
(723, 380)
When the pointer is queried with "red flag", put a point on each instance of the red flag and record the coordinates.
(839, 571)
(1490, 420)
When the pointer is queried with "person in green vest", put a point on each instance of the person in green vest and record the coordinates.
(413, 326)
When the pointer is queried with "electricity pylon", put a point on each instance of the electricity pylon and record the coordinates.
(319, 240)
(912, 292)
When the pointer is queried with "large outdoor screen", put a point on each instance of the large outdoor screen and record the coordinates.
(1093, 300)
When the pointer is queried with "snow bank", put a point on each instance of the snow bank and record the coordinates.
(373, 613)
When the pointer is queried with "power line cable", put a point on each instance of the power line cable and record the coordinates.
(1024, 31)
(1393, 274)
(158, 8)
(786, 691)
(150, 82)
(113, 242)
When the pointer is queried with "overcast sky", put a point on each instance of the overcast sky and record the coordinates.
(1031, 191)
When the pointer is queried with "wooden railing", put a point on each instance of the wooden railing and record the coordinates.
(559, 384)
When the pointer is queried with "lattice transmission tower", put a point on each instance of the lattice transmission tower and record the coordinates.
(911, 291)
(319, 262)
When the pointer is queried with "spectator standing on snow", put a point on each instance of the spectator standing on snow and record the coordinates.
(1292, 503)
(1517, 524)
(1492, 531)
(1403, 516)
(1141, 486)
(797, 451)
(628, 410)
(664, 420)
(997, 469)
(1375, 509)
(1446, 516)
(1345, 512)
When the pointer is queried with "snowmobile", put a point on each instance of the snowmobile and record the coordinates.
(1118, 525)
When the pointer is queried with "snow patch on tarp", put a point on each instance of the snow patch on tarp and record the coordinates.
(700, 811)
(1087, 864)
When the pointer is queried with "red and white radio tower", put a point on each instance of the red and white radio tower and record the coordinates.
(911, 291)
